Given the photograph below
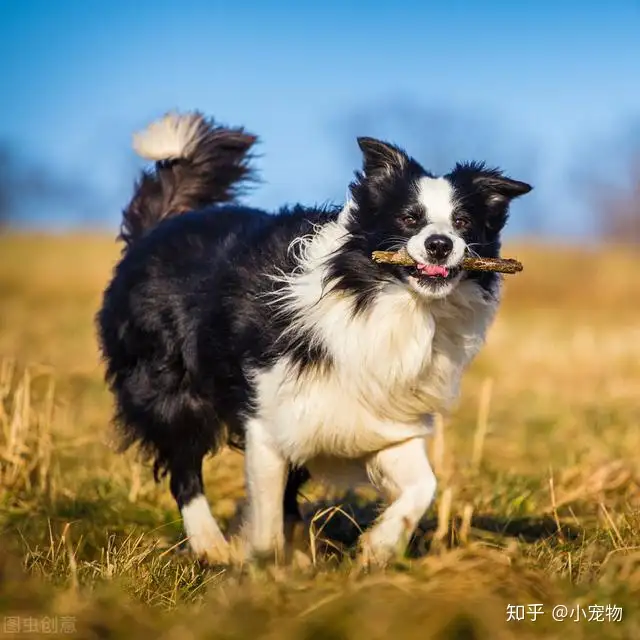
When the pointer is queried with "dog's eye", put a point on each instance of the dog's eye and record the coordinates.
(409, 219)
(461, 222)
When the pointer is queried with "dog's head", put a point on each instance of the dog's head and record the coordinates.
(397, 204)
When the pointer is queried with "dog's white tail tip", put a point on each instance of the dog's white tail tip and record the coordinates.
(172, 137)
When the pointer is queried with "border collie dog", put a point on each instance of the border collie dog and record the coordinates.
(278, 335)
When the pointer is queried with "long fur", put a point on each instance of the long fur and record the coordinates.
(277, 334)
(197, 164)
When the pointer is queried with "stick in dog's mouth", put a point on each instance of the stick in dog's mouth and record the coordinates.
(498, 265)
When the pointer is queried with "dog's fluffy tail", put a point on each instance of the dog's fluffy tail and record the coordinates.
(197, 163)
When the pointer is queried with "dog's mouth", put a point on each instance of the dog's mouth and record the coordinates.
(434, 275)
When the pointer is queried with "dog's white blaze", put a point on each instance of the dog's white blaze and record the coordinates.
(205, 537)
(438, 197)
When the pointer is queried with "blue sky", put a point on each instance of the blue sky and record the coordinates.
(538, 87)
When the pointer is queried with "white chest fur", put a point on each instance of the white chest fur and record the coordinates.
(392, 365)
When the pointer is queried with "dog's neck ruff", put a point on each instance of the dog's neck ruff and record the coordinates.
(403, 356)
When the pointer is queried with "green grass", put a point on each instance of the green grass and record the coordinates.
(538, 499)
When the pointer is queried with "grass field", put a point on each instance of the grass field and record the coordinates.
(537, 504)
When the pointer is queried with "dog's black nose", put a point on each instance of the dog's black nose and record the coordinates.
(438, 247)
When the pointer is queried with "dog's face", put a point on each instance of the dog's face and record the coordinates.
(438, 220)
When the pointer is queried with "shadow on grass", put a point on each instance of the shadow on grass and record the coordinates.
(341, 523)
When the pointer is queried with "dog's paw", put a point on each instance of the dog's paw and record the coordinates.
(214, 558)
(210, 551)
(371, 556)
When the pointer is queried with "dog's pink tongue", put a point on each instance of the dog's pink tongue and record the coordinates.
(433, 270)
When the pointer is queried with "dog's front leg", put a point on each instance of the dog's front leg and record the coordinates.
(265, 474)
(403, 474)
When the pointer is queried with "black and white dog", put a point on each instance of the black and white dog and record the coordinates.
(277, 334)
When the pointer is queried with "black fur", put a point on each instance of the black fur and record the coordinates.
(183, 315)
(186, 314)
(486, 195)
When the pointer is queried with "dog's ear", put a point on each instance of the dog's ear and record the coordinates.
(380, 157)
(498, 189)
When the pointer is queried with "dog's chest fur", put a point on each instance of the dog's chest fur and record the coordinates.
(392, 366)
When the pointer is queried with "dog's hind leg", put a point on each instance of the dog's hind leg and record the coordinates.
(205, 537)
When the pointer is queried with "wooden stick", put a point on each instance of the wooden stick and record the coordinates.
(498, 265)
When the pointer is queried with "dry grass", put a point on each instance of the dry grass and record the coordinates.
(538, 499)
